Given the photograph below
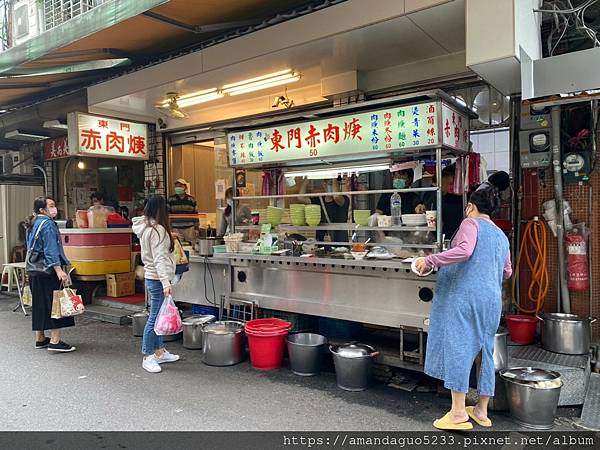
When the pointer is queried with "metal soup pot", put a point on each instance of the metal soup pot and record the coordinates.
(500, 350)
(223, 343)
(566, 333)
(138, 322)
(353, 364)
(192, 330)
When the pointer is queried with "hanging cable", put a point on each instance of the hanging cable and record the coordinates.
(534, 248)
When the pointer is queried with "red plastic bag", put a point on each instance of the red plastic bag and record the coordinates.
(168, 320)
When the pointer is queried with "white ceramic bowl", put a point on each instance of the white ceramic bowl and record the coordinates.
(413, 267)
(359, 255)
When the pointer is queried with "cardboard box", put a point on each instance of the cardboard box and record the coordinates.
(120, 284)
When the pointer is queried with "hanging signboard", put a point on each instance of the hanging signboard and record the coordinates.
(106, 137)
(455, 129)
(407, 127)
(56, 148)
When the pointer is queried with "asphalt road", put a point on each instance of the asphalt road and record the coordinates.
(102, 387)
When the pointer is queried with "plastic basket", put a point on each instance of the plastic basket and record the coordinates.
(205, 310)
(300, 322)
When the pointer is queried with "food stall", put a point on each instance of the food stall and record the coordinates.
(325, 279)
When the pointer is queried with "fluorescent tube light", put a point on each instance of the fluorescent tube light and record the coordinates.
(55, 125)
(264, 82)
(194, 98)
(16, 134)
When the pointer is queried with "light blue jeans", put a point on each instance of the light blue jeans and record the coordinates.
(151, 341)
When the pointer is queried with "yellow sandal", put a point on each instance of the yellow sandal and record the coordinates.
(445, 424)
(487, 423)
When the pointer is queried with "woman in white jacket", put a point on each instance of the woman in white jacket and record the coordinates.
(157, 255)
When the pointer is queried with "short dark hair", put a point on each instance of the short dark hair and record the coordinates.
(487, 199)
(97, 196)
(449, 170)
(500, 179)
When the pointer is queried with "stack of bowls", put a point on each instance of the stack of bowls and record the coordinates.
(274, 215)
(361, 217)
(313, 215)
(297, 214)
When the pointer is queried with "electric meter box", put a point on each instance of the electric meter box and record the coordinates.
(535, 147)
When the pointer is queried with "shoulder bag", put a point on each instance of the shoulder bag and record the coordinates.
(35, 260)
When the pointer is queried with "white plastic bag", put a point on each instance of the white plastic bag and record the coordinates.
(168, 320)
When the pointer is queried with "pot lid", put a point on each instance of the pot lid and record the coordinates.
(529, 374)
(224, 327)
(563, 317)
(353, 350)
(198, 319)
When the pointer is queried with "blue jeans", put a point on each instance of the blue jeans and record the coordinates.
(151, 341)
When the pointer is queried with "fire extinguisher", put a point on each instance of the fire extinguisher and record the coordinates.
(578, 278)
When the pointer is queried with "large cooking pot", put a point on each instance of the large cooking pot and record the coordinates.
(500, 350)
(353, 365)
(223, 343)
(205, 245)
(566, 333)
(192, 330)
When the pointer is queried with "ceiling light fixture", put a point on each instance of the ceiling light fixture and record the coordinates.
(55, 125)
(262, 82)
(194, 98)
(21, 136)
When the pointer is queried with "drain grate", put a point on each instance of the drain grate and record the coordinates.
(590, 415)
(533, 353)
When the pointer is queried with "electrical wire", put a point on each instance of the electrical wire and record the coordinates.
(535, 237)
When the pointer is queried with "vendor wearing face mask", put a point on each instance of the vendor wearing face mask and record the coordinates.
(401, 179)
(182, 203)
(335, 207)
(242, 213)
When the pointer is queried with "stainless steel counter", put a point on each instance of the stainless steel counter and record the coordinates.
(197, 284)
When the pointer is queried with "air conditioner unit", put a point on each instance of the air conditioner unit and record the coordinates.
(16, 163)
(21, 20)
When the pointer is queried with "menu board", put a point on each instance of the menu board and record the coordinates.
(406, 127)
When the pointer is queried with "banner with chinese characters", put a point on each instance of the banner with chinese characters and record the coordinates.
(56, 148)
(390, 129)
(106, 137)
(455, 129)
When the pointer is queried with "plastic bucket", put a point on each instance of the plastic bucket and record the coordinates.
(266, 348)
(270, 324)
(521, 328)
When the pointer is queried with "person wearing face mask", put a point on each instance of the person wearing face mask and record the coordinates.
(401, 179)
(242, 213)
(182, 203)
(466, 309)
(43, 239)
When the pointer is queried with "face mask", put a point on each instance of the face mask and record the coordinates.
(52, 212)
(179, 190)
(399, 183)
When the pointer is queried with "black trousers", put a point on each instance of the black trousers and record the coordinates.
(42, 291)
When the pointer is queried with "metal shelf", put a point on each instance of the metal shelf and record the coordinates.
(334, 194)
(338, 227)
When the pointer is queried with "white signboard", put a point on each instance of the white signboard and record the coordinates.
(396, 128)
(106, 137)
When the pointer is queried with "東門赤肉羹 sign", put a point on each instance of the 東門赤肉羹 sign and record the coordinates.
(107, 137)
(390, 129)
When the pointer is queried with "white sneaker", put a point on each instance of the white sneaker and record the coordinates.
(150, 363)
(166, 357)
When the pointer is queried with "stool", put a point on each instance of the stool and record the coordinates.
(11, 273)
(15, 272)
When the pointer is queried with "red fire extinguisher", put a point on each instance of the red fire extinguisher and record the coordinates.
(578, 278)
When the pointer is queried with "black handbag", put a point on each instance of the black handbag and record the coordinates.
(35, 260)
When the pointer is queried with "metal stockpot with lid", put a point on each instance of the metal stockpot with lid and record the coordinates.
(353, 365)
(500, 349)
(192, 330)
(566, 333)
(532, 396)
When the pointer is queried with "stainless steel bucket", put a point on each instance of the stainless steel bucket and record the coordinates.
(531, 406)
(305, 351)
(353, 365)
(138, 322)
(500, 350)
(223, 343)
(566, 333)
(192, 330)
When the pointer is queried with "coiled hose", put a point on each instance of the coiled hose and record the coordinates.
(534, 248)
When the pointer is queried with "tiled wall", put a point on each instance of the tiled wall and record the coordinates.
(538, 188)
(493, 145)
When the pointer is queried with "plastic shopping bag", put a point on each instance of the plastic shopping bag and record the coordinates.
(168, 320)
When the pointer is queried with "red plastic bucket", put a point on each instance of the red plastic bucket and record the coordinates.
(266, 341)
(521, 328)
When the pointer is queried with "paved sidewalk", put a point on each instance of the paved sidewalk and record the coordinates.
(102, 387)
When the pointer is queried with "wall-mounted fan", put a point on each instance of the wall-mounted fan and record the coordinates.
(170, 108)
(492, 107)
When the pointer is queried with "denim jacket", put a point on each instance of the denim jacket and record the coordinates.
(49, 241)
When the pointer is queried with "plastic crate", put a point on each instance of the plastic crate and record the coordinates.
(341, 329)
(205, 310)
(300, 322)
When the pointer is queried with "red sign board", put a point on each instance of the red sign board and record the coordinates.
(56, 148)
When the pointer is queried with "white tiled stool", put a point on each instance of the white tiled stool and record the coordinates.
(11, 273)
